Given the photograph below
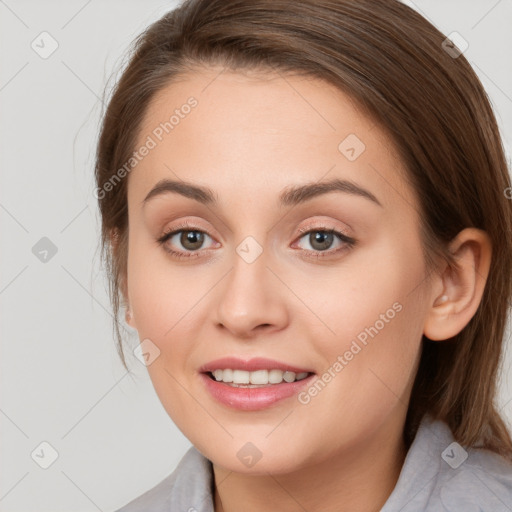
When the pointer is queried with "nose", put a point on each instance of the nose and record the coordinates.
(251, 299)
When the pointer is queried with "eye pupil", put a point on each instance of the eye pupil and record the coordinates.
(195, 238)
(324, 239)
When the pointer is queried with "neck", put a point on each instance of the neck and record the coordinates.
(360, 480)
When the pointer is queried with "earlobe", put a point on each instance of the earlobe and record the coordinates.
(462, 285)
(128, 317)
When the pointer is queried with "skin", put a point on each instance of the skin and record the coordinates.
(252, 135)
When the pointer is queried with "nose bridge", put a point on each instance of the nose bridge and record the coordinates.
(250, 296)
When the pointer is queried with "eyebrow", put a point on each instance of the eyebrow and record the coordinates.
(292, 195)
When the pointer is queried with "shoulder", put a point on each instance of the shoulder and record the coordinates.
(482, 482)
(439, 475)
(187, 488)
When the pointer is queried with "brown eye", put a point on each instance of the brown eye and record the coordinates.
(192, 240)
(185, 242)
(321, 240)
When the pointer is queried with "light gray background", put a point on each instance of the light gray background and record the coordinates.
(61, 379)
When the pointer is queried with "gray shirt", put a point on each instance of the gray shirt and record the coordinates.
(438, 475)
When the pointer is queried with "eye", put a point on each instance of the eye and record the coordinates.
(189, 237)
(321, 239)
(192, 239)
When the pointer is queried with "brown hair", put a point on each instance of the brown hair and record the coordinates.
(430, 102)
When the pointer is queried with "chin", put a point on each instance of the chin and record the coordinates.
(246, 458)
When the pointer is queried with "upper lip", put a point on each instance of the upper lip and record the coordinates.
(257, 363)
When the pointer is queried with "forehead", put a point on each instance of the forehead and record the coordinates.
(258, 132)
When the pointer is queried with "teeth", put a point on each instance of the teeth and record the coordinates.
(289, 376)
(256, 378)
(275, 376)
(227, 375)
(241, 377)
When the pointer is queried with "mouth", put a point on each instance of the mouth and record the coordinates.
(255, 379)
(255, 384)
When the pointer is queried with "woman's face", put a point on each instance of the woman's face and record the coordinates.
(286, 160)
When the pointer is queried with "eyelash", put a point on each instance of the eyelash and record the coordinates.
(348, 241)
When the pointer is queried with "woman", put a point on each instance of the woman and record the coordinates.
(305, 216)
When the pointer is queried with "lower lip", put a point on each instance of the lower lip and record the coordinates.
(253, 399)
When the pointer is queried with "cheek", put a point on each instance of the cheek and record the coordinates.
(162, 293)
(170, 303)
(373, 293)
(374, 312)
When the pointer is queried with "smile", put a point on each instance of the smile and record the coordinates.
(258, 378)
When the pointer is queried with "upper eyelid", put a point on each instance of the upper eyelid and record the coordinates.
(315, 224)
(301, 231)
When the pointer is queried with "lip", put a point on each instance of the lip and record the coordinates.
(251, 365)
(253, 399)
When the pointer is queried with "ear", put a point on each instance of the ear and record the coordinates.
(457, 291)
(119, 250)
